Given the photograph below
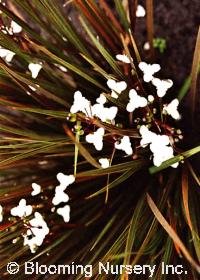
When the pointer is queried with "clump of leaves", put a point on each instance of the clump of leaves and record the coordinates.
(129, 213)
(160, 44)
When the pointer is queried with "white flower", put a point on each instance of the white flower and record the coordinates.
(123, 57)
(124, 145)
(6, 54)
(103, 113)
(148, 70)
(116, 87)
(31, 242)
(16, 28)
(1, 213)
(97, 111)
(37, 231)
(172, 109)
(60, 195)
(105, 163)
(35, 69)
(147, 136)
(146, 46)
(110, 113)
(64, 212)
(36, 189)
(22, 210)
(38, 221)
(162, 86)
(65, 180)
(150, 98)
(101, 99)
(159, 146)
(161, 150)
(135, 101)
(161, 154)
(96, 138)
(81, 104)
(140, 12)
(158, 142)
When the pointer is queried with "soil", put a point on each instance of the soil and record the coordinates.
(176, 21)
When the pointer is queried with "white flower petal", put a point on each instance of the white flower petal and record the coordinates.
(124, 145)
(101, 99)
(175, 165)
(65, 180)
(59, 196)
(6, 54)
(81, 104)
(130, 107)
(147, 136)
(116, 87)
(97, 110)
(38, 231)
(65, 213)
(135, 101)
(36, 189)
(162, 154)
(22, 210)
(159, 146)
(16, 28)
(105, 163)
(35, 69)
(162, 86)
(140, 12)
(110, 113)
(96, 138)
(114, 94)
(103, 113)
(149, 70)
(172, 109)
(122, 57)
(146, 46)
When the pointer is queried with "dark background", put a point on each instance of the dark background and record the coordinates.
(177, 21)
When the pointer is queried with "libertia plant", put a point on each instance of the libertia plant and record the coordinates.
(96, 159)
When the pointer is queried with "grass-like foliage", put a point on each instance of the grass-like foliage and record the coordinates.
(131, 212)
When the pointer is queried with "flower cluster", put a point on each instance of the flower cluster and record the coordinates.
(61, 196)
(161, 144)
(8, 54)
(22, 210)
(36, 229)
(13, 29)
(36, 232)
